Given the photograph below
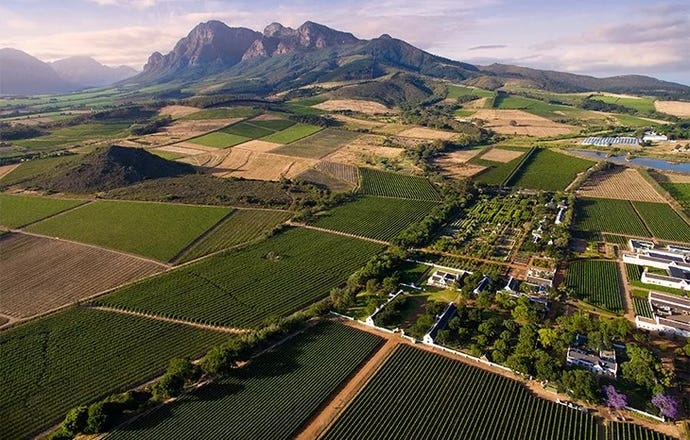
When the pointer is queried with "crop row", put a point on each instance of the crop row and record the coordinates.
(608, 215)
(375, 217)
(421, 395)
(663, 221)
(634, 272)
(18, 211)
(240, 227)
(642, 307)
(547, 170)
(597, 281)
(269, 398)
(243, 287)
(385, 184)
(79, 355)
(630, 431)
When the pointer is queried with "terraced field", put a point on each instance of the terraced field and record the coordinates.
(608, 215)
(384, 184)
(156, 230)
(40, 274)
(41, 380)
(17, 211)
(269, 398)
(240, 227)
(318, 145)
(663, 221)
(243, 287)
(374, 217)
(598, 282)
(421, 395)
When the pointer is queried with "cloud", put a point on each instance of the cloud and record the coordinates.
(488, 47)
(139, 4)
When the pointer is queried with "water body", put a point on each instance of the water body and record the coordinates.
(678, 167)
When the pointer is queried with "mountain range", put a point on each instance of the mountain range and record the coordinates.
(22, 74)
(216, 58)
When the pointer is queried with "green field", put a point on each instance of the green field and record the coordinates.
(32, 168)
(663, 221)
(630, 431)
(76, 134)
(422, 395)
(293, 133)
(537, 107)
(680, 192)
(385, 184)
(548, 170)
(219, 139)
(617, 216)
(156, 230)
(634, 121)
(318, 145)
(273, 124)
(270, 398)
(642, 307)
(459, 91)
(633, 272)
(17, 211)
(247, 130)
(375, 217)
(240, 227)
(223, 113)
(598, 282)
(645, 105)
(77, 356)
(243, 287)
(497, 172)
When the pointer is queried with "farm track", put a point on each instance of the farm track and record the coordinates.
(331, 231)
(627, 295)
(231, 330)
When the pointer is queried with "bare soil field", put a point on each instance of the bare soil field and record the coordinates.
(675, 108)
(458, 169)
(620, 183)
(355, 105)
(357, 123)
(180, 149)
(363, 150)
(528, 124)
(177, 111)
(500, 155)
(182, 130)
(260, 166)
(476, 104)
(40, 274)
(341, 171)
(678, 178)
(5, 169)
(427, 133)
(258, 146)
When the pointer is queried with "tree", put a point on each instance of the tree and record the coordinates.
(545, 367)
(75, 420)
(170, 385)
(547, 337)
(580, 384)
(101, 416)
(484, 300)
(614, 399)
(643, 367)
(668, 405)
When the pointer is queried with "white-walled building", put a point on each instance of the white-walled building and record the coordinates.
(671, 314)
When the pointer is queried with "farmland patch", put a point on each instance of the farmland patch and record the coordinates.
(355, 105)
(385, 184)
(17, 210)
(293, 133)
(619, 183)
(608, 215)
(598, 282)
(519, 122)
(320, 144)
(427, 133)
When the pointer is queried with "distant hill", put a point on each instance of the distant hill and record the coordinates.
(105, 169)
(22, 74)
(87, 72)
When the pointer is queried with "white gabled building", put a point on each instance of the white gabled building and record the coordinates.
(445, 279)
(391, 297)
(653, 136)
(671, 314)
(440, 324)
(604, 363)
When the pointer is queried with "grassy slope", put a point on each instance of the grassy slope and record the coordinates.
(154, 230)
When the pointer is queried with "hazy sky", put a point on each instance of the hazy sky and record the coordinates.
(602, 37)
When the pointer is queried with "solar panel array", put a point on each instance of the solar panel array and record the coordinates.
(606, 141)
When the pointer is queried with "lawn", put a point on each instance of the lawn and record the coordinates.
(219, 139)
(375, 217)
(292, 380)
(156, 230)
(548, 170)
(244, 287)
(293, 133)
(319, 144)
(74, 357)
(608, 215)
(17, 211)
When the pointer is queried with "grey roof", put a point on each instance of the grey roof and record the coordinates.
(668, 298)
(442, 321)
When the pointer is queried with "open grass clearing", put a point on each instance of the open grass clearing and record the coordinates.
(355, 105)
(645, 105)
(155, 230)
(17, 210)
(77, 356)
(319, 144)
(675, 108)
(222, 113)
(455, 91)
(244, 287)
(247, 130)
(427, 134)
(41, 274)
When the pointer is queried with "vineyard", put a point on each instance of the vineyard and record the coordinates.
(240, 227)
(548, 170)
(218, 139)
(270, 398)
(318, 145)
(156, 230)
(18, 211)
(634, 272)
(341, 171)
(680, 192)
(663, 221)
(421, 395)
(375, 217)
(617, 216)
(292, 133)
(77, 356)
(630, 431)
(385, 184)
(642, 307)
(40, 274)
(497, 172)
(243, 287)
(598, 282)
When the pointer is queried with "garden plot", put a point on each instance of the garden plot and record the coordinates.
(504, 122)
(355, 105)
(620, 183)
(40, 274)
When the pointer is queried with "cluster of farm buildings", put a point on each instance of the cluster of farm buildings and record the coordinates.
(608, 141)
